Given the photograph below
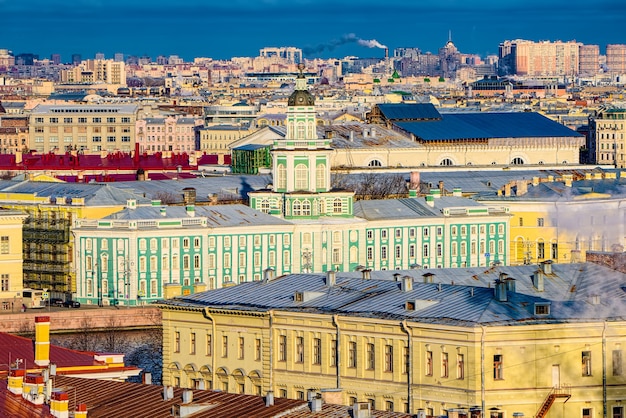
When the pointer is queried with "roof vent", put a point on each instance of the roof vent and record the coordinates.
(500, 291)
(331, 278)
(428, 277)
(187, 396)
(269, 398)
(268, 274)
(406, 284)
(168, 393)
(538, 280)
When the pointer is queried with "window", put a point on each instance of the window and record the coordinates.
(389, 358)
(439, 231)
(333, 352)
(383, 252)
(5, 282)
(497, 367)
(225, 346)
(617, 362)
(398, 251)
(425, 250)
(389, 406)
(426, 232)
(398, 233)
(412, 250)
(299, 349)
(618, 412)
(227, 242)
(444, 364)
(4, 244)
(540, 222)
(453, 230)
(242, 347)
(370, 253)
(352, 354)
(407, 360)
(541, 251)
(521, 221)
(282, 348)
(463, 230)
(317, 351)
(177, 342)
(209, 347)
(370, 234)
(110, 120)
(586, 363)
(555, 251)
(370, 357)
(301, 177)
(453, 249)
(412, 233)
(429, 363)
(500, 229)
(439, 250)
(460, 366)
(192, 343)
(257, 349)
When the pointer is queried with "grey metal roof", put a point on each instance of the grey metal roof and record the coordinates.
(439, 302)
(95, 194)
(217, 216)
(251, 147)
(408, 208)
(484, 125)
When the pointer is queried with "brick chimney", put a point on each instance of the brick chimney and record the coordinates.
(15, 382)
(80, 411)
(59, 405)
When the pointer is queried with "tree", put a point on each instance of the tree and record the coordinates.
(369, 186)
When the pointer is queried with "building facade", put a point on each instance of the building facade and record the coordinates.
(607, 131)
(167, 134)
(406, 344)
(11, 283)
(90, 129)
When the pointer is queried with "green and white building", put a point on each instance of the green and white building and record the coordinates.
(297, 225)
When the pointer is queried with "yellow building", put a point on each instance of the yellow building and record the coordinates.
(11, 259)
(49, 210)
(559, 219)
(411, 343)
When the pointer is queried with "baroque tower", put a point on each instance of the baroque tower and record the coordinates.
(301, 167)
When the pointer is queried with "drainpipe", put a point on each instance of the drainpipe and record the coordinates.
(337, 354)
(482, 371)
(409, 366)
(271, 343)
(208, 315)
(604, 371)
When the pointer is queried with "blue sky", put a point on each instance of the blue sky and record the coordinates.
(223, 29)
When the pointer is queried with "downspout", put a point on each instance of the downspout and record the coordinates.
(604, 408)
(213, 339)
(338, 351)
(482, 371)
(409, 366)
(271, 343)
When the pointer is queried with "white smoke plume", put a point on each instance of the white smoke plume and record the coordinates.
(345, 39)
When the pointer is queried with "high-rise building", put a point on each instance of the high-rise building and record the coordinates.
(99, 56)
(589, 60)
(76, 59)
(118, 57)
(6, 58)
(93, 71)
(55, 58)
(539, 59)
(616, 58)
(291, 54)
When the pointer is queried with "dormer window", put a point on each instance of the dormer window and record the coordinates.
(542, 309)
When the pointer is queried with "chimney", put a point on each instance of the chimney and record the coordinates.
(522, 188)
(81, 411)
(168, 393)
(269, 398)
(59, 405)
(414, 180)
(351, 137)
(146, 378)
(163, 211)
(428, 277)
(365, 133)
(189, 196)
(535, 181)
(191, 210)
(316, 404)
(567, 179)
(268, 274)
(507, 190)
(386, 53)
(331, 278)
(42, 341)
(373, 132)
(430, 200)
(456, 192)
(500, 291)
(187, 396)
(33, 388)
(15, 382)
(510, 284)
(546, 266)
(538, 280)
(141, 175)
(361, 410)
(131, 204)
(441, 188)
(366, 274)
(406, 285)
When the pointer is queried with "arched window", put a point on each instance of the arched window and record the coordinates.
(337, 205)
(281, 174)
(320, 176)
(264, 206)
(446, 162)
(306, 208)
(375, 163)
(517, 161)
(302, 177)
(300, 131)
(297, 208)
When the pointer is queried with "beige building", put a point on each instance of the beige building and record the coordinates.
(87, 128)
(616, 58)
(607, 129)
(176, 134)
(217, 139)
(429, 342)
(540, 59)
(96, 71)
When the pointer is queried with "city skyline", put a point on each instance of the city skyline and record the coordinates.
(322, 29)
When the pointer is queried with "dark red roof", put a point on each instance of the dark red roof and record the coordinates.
(14, 406)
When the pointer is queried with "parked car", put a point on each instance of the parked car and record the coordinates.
(55, 302)
(71, 304)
